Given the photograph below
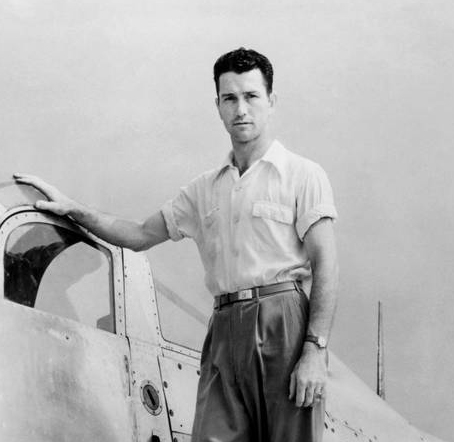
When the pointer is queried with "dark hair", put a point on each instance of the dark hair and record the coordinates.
(244, 60)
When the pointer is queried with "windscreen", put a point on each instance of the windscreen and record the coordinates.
(184, 304)
(58, 271)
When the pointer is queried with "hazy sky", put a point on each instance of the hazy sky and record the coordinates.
(113, 101)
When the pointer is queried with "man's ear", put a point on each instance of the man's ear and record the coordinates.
(273, 100)
(216, 102)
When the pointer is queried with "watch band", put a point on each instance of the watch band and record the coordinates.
(319, 341)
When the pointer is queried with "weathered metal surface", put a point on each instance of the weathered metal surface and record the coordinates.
(180, 381)
(180, 437)
(356, 413)
(142, 321)
(61, 381)
(144, 363)
(147, 343)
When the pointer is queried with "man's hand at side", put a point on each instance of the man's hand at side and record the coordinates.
(125, 233)
(308, 378)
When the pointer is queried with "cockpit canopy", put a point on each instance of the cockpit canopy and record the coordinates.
(51, 264)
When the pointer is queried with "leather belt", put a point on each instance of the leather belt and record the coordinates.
(254, 292)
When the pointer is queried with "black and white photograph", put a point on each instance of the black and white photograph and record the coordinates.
(226, 221)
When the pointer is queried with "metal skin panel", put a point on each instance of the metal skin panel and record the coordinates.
(144, 368)
(180, 380)
(142, 321)
(61, 381)
(180, 437)
(356, 413)
(142, 329)
(147, 346)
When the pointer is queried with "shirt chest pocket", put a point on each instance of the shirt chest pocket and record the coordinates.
(210, 219)
(273, 211)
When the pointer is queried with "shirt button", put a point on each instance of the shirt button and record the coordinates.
(236, 252)
(236, 220)
(237, 189)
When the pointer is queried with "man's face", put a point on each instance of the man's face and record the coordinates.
(244, 104)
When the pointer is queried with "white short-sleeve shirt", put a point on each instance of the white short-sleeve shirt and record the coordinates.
(250, 229)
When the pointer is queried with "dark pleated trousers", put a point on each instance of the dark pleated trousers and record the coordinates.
(249, 352)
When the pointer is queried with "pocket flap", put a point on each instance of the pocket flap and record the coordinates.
(274, 211)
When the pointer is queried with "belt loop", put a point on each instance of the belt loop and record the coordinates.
(299, 289)
(256, 293)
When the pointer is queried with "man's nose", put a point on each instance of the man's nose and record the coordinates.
(241, 108)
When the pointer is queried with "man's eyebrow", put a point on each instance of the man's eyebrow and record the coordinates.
(233, 94)
(228, 94)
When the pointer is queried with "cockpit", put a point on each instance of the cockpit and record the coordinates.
(52, 265)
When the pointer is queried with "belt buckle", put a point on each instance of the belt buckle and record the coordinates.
(244, 294)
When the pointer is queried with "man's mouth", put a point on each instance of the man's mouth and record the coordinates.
(241, 123)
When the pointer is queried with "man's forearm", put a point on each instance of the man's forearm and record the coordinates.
(323, 298)
(131, 234)
(321, 247)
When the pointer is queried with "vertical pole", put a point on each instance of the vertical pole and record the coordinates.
(380, 355)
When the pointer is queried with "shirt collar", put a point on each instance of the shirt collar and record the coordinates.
(274, 155)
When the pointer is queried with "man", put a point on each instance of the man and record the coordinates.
(263, 226)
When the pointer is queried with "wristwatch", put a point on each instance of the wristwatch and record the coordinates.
(319, 341)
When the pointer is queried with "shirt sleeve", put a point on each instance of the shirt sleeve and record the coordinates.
(314, 200)
(180, 214)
